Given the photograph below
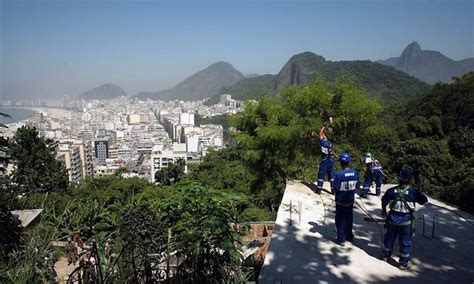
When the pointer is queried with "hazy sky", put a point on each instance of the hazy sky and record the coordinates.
(56, 48)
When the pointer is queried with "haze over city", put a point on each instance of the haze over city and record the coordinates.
(63, 48)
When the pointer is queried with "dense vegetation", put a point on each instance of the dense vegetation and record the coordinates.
(248, 88)
(195, 215)
(380, 81)
(436, 137)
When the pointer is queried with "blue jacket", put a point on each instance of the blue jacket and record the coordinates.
(401, 200)
(345, 184)
(326, 149)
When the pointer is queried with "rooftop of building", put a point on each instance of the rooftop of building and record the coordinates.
(27, 216)
(301, 248)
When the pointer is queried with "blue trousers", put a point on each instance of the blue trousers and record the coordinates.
(375, 175)
(404, 238)
(344, 219)
(326, 167)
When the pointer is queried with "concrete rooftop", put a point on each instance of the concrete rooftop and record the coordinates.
(301, 250)
(26, 216)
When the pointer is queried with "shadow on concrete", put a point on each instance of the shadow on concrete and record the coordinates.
(305, 254)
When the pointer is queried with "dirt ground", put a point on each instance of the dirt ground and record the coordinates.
(62, 269)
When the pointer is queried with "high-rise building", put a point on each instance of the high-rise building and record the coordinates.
(101, 150)
(186, 118)
(70, 155)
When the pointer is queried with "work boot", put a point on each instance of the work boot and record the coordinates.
(337, 242)
(405, 266)
(385, 258)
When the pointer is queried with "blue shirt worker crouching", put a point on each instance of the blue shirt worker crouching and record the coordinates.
(373, 172)
(344, 185)
(326, 166)
(401, 200)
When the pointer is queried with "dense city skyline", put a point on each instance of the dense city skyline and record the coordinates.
(58, 48)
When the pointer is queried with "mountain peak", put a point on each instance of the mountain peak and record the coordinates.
(413, 47)
(204, 83)
(104, 92)
(306, 56)
(299, 70)
(221, 65)
(409, 57)
(429, 66)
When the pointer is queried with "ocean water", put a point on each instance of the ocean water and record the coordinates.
(17, 114)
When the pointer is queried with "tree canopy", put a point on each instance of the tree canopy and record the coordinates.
(36, 167)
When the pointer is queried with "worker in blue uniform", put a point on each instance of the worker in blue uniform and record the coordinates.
(373, 173)
(326, 166)
(344, 186)
(400, 221)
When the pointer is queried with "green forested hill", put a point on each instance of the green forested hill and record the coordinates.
(381, 81)
(436, 137)
(248, 88)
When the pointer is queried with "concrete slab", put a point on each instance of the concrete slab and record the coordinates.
(27, 216)
(301, 248)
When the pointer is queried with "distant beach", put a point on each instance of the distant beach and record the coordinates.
(22, 113)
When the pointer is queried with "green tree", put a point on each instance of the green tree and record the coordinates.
(140, 234)
(204, 233)
(437, 141)
(273, 131)
(36, 168)
(172, 173)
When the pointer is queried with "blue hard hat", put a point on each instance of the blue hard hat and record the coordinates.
(345, 157)
(406, 174)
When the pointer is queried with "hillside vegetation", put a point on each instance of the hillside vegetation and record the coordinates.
(380, 81)
(433, 134)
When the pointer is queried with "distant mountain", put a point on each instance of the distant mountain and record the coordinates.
(104, 92)
(144, 94)
(429, 66)
(251, 75)
(379, 80)
(299, 70)
(247, 88)
(204, 83)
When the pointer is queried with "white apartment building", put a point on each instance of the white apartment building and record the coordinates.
(225, 98)
(107, 170)
(124, 152)
(186, 118)
(86, 154)
(133, 119)
(162, 155)
(70, 155)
